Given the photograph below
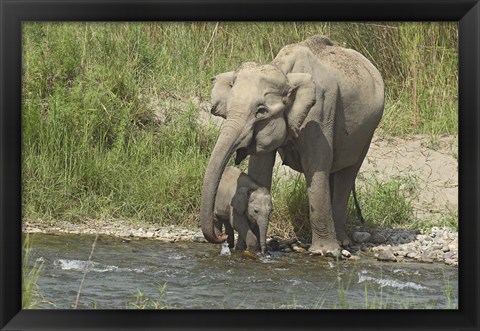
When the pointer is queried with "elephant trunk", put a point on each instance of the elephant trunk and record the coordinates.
(224, 148)
(263, 237)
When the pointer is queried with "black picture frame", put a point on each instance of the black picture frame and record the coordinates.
(14, 12)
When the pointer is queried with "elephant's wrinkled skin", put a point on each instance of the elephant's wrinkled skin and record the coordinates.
(245, 206)
(318, 104)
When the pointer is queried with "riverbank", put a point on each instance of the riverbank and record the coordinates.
(440, 244)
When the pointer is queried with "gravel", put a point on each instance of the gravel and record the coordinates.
(440, 244)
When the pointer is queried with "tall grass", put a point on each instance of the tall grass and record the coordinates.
(31, 296)
(109, 109)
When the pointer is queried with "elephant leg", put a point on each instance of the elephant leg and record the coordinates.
(241, 245)
(245, 234)
(330, 181)
(342, 186)
(324, 240)
(260, 168)
(231, 235)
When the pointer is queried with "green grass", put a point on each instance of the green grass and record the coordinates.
(387, 203)
(93, 144)
(31, 296)
(143, 301)
(290, 208)
(384, 203)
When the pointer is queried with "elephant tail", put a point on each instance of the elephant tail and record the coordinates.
(357, 206)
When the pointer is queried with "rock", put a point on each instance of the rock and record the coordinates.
(400, 253)
(437, 247)
(287, 241)
(346, 253)
(386, 255)
(303, 245)
(282, 247)
(377, 238)
(451, 262)
(298, 249)
(273, 244)
(361, 237)
(393, 238)
(412, 255)
(425, 257)
(421, 237)
(199, 238)
(150, 234)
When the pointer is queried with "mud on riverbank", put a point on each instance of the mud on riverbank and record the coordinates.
(389, 245)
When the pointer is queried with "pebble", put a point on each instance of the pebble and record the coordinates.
(386, 255)
(361, 237)
(346, 253)
(199, 238)
(425, 258)
(298, 249)
(273, 244)
(377, 238)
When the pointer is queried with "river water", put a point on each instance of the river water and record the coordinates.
(196, 276)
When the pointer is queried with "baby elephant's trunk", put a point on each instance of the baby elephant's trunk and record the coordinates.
(263, 237)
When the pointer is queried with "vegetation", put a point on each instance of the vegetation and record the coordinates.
(110, 109)
(372, 299)
(142, 301)
(31, 296)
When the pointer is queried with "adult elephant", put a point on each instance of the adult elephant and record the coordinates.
(318, 104)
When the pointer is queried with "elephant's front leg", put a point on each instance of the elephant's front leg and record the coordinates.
(260, 168)
(324, 240)
(245, 234)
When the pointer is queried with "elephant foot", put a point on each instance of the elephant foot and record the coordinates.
(329, 248)
(343, 239)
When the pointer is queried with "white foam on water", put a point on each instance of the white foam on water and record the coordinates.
(268, 259)
(275, 253)
(80, 265)
(225, 250)
(295, 306)
(176, 256)
(363, 277)
(406, 272)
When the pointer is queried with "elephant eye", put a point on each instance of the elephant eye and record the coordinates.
(255, 210)
(261, 110)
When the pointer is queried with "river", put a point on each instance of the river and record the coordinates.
(196, 276)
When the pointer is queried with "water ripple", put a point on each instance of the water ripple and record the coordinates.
(80, 265)
(398, 284)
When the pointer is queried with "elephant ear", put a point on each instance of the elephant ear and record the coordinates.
(240, 200)
(222, 84)
(301, 97)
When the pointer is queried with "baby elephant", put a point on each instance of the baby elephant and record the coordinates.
(245, 206)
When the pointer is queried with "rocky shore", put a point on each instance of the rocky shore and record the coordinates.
(389, 245)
